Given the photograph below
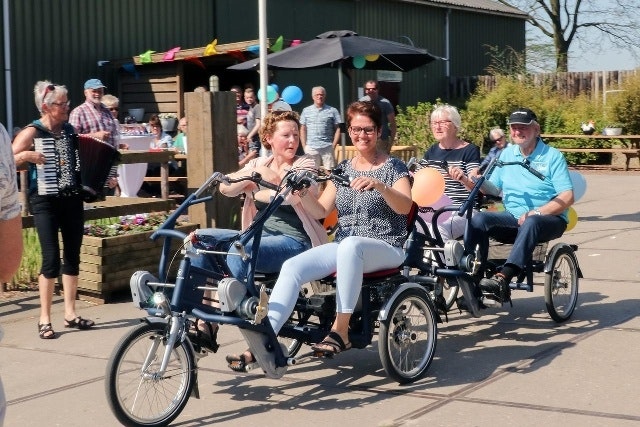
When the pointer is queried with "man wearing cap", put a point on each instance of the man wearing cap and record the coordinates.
(535, 209)
(92, 118)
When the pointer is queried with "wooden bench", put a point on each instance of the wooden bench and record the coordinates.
(630, 145)
(629, 153)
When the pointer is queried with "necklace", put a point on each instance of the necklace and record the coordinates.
(372, 164)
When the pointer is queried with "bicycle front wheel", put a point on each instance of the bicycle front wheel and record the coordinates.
(407, 337)
(138, 394)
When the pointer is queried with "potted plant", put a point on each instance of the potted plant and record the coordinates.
(113, 249)
(613, 129)
(169, 121)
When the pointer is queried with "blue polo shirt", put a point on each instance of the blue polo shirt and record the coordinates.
(523, 191)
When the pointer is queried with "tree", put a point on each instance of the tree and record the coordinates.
(569, 21)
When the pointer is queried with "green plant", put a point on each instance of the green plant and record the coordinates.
(413, 126)
(125, 225)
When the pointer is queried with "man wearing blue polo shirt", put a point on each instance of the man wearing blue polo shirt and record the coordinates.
(535, 209)
(319, 129)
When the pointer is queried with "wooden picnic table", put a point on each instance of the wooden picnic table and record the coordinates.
(630, 150)
(114, 206)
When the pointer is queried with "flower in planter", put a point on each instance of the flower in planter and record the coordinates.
(167, 116)
(128, 224)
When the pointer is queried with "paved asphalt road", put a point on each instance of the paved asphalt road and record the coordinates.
(513, 366)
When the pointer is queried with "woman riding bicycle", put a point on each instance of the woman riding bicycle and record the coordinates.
(287, 232)
(372, 220)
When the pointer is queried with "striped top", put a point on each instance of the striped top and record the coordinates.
(466, 158)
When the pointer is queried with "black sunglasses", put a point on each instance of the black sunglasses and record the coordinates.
(48, 89)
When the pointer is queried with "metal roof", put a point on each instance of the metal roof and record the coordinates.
(487, 6)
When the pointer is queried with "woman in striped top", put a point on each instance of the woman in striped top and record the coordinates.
(456, 160)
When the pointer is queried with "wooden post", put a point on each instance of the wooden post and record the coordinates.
(212, 147)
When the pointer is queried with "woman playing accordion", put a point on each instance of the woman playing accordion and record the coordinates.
(54, 210)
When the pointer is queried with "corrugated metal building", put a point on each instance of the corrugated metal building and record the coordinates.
(67, 40)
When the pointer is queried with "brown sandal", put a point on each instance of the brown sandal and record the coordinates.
(45, 331)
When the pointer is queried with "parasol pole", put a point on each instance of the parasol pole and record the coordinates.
(264, 74)
(343, 137)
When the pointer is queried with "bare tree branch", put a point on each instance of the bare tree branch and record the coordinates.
(567, 21)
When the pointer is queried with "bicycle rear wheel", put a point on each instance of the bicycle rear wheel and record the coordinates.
(561, 285)
(137, 393)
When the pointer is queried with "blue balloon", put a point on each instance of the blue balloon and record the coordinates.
(272, 95)
(292, 95)
(579, 185)
(275, 87)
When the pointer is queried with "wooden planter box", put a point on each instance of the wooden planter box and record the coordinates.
(107, 263)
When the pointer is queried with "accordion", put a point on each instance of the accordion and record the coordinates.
(74, 165)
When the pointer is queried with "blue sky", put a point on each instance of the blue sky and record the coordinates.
(596, 53)
(609, 59)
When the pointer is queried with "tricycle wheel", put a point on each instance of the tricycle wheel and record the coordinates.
(137, 393)
(407, 337)
(561, 284)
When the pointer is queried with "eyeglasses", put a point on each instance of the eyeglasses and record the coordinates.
(114, 109)
(441, 123)
(48, 89)
(357, 129)
(370, 89)
(156, 126)
(497, 139)
(62, 104)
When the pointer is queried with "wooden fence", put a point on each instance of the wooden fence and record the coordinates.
(597, 84)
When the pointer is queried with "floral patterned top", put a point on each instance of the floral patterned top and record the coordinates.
(367, 214)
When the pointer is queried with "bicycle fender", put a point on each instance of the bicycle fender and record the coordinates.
(384, 311)
(552, 255)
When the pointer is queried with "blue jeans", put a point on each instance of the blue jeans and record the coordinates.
(504, 227)
(273, 251)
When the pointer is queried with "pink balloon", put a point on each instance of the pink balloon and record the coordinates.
(428, 186)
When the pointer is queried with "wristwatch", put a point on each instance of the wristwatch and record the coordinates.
(537, 212)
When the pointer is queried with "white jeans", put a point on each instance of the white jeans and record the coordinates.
(350, 258)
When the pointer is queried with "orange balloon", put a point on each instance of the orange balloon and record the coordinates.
(428, 186)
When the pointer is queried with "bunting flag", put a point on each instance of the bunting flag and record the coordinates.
(195, 60)
(130, 68)
(277, 46)
(211, 48)
(254, 49)
(170, 55)
(145, 58)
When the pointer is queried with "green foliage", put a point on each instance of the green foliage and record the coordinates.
(625, 106)
(31, 259)
(413, 126)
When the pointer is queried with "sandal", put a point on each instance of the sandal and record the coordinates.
(239, 363)
(205, 334)
(330, 346)
(45, 331)
(79, 323)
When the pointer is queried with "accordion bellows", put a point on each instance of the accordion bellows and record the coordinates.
(74, 165)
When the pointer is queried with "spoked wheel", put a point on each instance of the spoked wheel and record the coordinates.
(561, 285)
(137, 393)
(407, 337)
